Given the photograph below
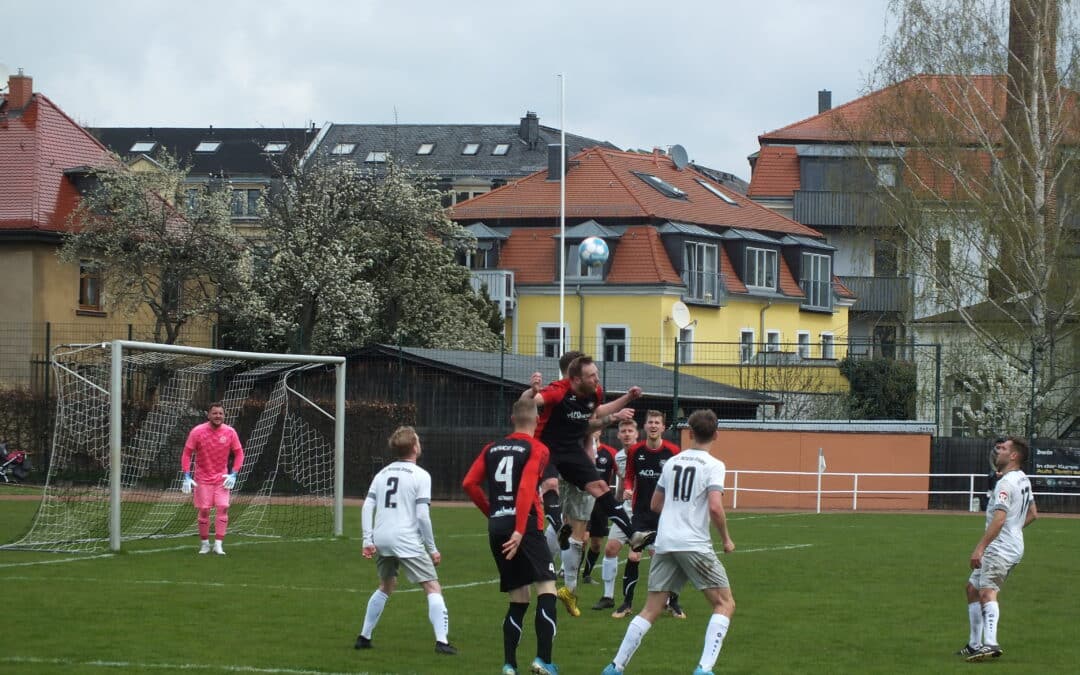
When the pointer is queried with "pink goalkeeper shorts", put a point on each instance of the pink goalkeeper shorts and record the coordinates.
(208, 494)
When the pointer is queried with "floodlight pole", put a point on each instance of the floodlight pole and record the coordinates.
(116, 401)
(562, 216)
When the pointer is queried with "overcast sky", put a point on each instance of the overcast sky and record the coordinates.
(710, 75)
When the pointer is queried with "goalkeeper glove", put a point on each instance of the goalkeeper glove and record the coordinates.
(188, 483)
(230, 481)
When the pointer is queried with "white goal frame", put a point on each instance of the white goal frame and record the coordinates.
(116, 383)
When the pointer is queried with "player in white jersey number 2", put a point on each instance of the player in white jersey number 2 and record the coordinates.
(1011, 508)
(688, 497)
(397, 533)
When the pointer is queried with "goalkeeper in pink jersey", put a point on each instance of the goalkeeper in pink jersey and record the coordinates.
(212, 442)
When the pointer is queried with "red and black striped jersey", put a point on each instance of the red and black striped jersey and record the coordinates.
(503, 482)
(643, 466)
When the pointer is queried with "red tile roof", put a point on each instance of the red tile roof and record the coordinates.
(36, 146)
(841, 290)
(602, 184)
(639, 258)
(776, 172)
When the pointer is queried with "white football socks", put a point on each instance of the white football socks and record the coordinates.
(991, 616)
(607, 573)
(439, 616)
(714, 640)
(975, 619)
(631, 641)
(571, 560)
(375, 608)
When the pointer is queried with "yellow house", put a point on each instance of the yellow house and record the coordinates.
(699, 277)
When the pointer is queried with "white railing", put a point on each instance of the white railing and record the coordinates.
(500, 287)
(973, 495)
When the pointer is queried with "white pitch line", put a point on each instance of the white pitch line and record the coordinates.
(167, 549)
(139, 666)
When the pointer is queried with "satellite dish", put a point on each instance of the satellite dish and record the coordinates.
(680, 314)
(679, 157)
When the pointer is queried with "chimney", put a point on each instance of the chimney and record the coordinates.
(824, 101)
(529, 131)
(20, 90)
(554, 167)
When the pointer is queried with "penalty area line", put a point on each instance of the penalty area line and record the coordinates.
(166, 549)
(140, 666)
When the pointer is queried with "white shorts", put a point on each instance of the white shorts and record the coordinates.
(576, 503)
(670, 571)
(992, 574)
(418, 569)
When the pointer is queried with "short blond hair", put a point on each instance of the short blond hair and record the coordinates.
(403, 440)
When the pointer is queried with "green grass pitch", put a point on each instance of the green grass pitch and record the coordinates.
(830, 593)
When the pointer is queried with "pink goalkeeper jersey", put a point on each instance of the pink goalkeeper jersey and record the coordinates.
(212, 447)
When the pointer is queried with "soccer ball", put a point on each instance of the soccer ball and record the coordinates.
(593, 251)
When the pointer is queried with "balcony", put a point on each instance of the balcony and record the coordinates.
(704, 288)
(840, 209)
(500, 288)
(880, 294)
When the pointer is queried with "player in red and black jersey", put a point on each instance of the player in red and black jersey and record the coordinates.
(502, 483)
(598, 522)
(644, 463)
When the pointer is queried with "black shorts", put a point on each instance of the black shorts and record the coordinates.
(641, 522)
(531, 563)
(576, 468)
(598, 522)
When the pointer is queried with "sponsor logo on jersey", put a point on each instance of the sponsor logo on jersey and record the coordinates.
(648, 473)
(578, 415)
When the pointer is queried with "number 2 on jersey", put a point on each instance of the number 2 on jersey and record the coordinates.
(504, 473)
(391, 490)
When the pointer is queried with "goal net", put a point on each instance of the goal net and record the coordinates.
(123, 413)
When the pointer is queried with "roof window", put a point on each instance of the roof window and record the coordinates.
(343, 149)
(660, 185)
(470, 149)
(716, 191)
(501, 149)
(425, 149)
(376, 157)
(143, 146)
(208, 146)
(275, 146)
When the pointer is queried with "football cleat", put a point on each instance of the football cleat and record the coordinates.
(986, 652)
(674, 608)
(623, 610)
(445, 648)
(570, 600)
(363, 642)
(967, 651)
(217, 548)
(564, 536)
(701, 671)
(604, 603)
(640, 539)
(611, 670)
(541, 668)
(587, 579)
(509, 669)
(204, 548)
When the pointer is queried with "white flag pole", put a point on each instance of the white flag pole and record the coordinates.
(820, 470)
(562, 215)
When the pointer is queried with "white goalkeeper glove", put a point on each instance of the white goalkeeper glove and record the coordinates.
(188, 483)
(230, 481)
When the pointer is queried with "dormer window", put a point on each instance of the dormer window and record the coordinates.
(576, 269)
(275, 147)
(660, 185)
(716, 191)
(143, 146)
(470, 149)
(425, 149)
(208, 146)
(376, 157)
(816, 280)
(343, 149)
(760, 268)
(501, 149)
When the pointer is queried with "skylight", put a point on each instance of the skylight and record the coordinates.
(143, 146)
(471, 149)
(713, 189)
(501, 149)
(343, 149)
(275, 146)
(660, 185)
(208, 146)
(425, 149)
(376, 156)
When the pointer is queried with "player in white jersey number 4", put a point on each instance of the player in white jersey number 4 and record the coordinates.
(397, 533)
(1011, 508)
(688, 497)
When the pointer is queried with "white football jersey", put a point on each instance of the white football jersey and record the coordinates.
(620, 472)
(686, 481)
(397, 489)
(1013, 495)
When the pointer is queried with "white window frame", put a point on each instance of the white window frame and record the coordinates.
(702, 284)
(765, 260)
(828, 345)
(501, 149)
(818, 290)
(276, 147)
(803, 340)
(746, 356)
(343, 149)
(208, 146)
(471, 149)
(770, 345)
(575, 269)
(425, 149)
(716, 191)
(377, 157)
(143, 146)
(601, 343)
(540, 338)
(686, 345)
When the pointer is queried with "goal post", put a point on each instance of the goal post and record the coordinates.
(123, 410)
